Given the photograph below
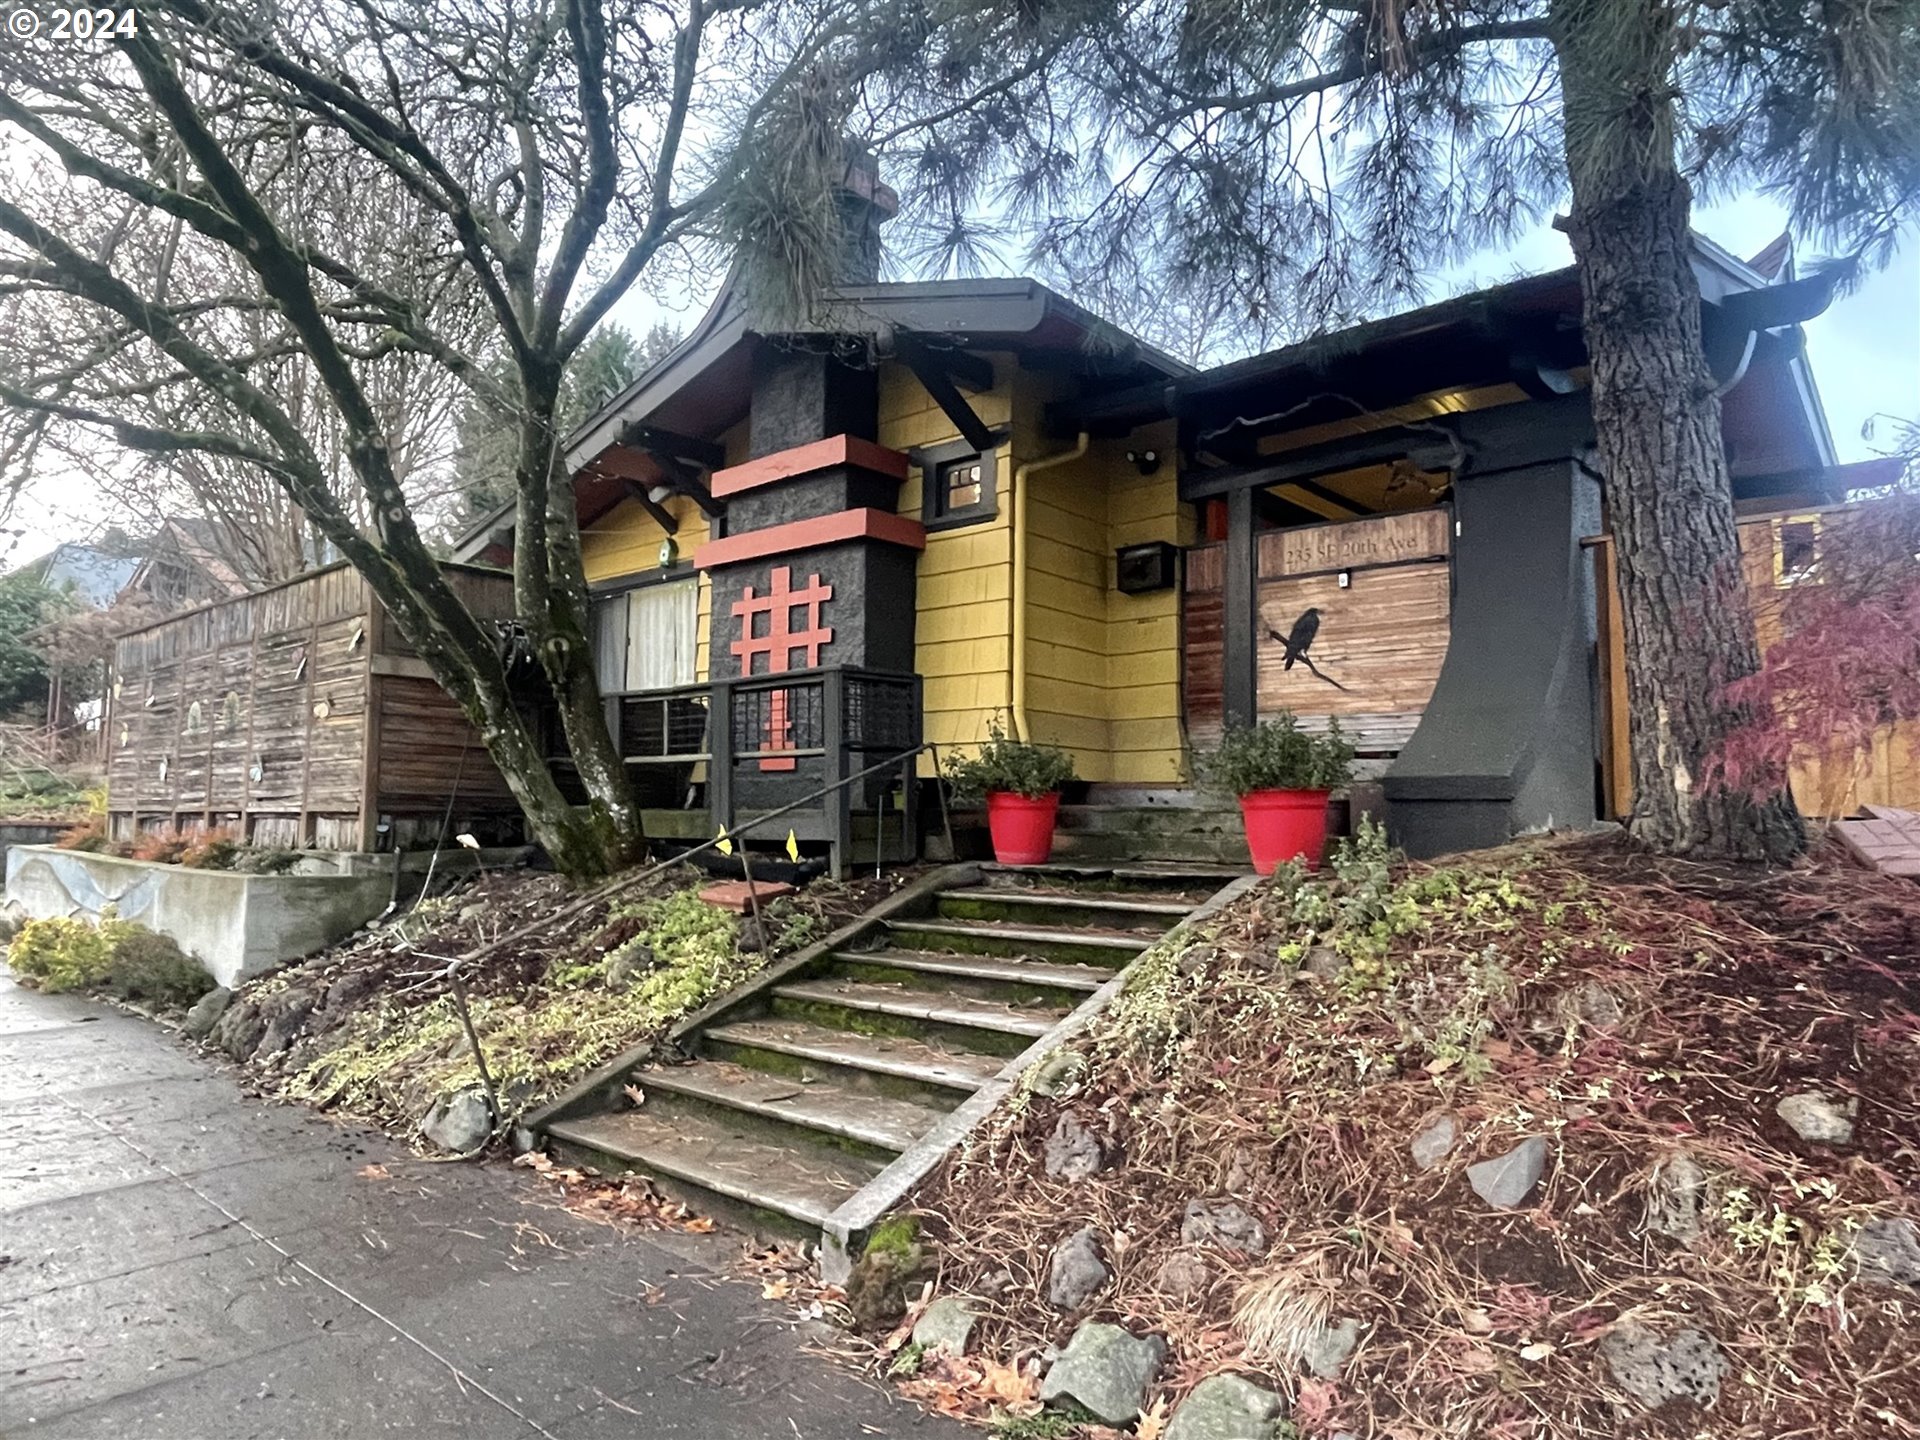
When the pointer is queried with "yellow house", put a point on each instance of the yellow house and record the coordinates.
(832, 555)
(927, 416)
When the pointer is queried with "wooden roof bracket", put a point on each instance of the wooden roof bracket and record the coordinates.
(941, 371)
(681, 457)
(663, 517)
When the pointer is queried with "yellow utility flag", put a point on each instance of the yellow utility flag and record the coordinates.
(793, 847)
(725, 846)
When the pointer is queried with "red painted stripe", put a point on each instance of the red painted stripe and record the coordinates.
(805, 460)
(811, 533)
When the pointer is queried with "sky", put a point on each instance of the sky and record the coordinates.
(1865, 354)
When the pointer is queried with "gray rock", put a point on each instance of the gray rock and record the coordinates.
(1106, 1371)
(1506, 1180)
(1887, 1251)
(1598, 1007)
(1225, 1407)
(238, 1032)
(1654, 1369)
(1078, 1273)
(1327, 1352)
(1225, 1224)
(1675, 1193)
(1073, 1151)
(945, 1326)
(1196, 958)
(1060, 1073)
(996, 1284)
(520, 1140)
(1183, 1275)
(1432, 1144)
(1323, 963)
(628, 967)
(349, 990)
(459, 1122)
(206, 1012)
(1240, 1174)
(286, 1027)
(1816, 1117)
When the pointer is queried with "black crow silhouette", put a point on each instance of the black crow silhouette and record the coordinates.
(1301, 635)
(1298, 639)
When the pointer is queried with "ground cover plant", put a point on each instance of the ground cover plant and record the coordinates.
(370, 1029)
(115, 957)
(1649, 1021)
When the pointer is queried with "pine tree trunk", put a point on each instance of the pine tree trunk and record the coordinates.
(1689, 629)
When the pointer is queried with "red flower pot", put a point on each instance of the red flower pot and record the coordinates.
(1285, 825)
(1021, 826)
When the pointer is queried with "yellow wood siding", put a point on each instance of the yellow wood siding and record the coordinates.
(1103, 672)
(964, 624)
(626, 541)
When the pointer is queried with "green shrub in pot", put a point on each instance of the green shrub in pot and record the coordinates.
(1008, 766)
(1277, 754)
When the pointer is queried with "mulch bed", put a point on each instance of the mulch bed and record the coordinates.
(1631, 1010)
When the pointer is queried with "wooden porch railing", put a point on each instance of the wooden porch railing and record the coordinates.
(766, 738)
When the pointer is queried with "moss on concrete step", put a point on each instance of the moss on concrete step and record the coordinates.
(799, 1180)
(904, 1066)
(1060, 945)
(1027, 983)
(830, 1011)
(824, 1108)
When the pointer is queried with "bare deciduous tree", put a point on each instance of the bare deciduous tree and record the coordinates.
(552, 155)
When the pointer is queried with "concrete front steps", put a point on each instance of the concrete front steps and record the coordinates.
(1127, 822)
(807, 1096)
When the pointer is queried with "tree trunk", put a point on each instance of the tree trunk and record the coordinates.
(468, 666)
(1689, 630)
(550, 592)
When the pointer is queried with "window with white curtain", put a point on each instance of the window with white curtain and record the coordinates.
(643, 639)
(662, 624)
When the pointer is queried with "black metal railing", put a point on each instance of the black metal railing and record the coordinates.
(766, 738)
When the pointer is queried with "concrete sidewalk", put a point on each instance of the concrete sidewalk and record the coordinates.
(179, 1261)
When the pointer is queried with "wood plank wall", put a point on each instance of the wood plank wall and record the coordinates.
(247, 714)
(278, 715)
(1825, 787)
(1382, 634)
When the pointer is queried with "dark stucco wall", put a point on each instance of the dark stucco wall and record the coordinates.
(801, 395)
(1507, 742)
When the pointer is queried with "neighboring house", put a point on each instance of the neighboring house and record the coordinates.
(186, 564)
(92, 576)
(952, 500)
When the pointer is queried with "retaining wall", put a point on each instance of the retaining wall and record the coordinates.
(236, 925)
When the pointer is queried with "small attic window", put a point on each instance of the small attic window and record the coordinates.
(958, 484)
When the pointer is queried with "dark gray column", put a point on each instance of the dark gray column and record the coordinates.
(802, 393)
(1240, 613)
(1506, 744)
